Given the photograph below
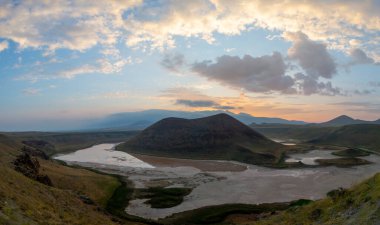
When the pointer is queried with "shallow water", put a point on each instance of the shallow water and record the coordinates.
(103, 154)
(310, 157)
(253, 186)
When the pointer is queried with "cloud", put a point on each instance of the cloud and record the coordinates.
(309, 85)
(80, 25)
(202, 104)
(74, 25)
(3, 45)
(103, 66)
(312, 56)
(253, 74)
(31, 91)
(116, 95)
(363, 92)
(334, 22)
(360, 57)
(374, 84)
(173, 62)
(195, 103)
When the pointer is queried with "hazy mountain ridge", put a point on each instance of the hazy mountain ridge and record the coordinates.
(142, 119)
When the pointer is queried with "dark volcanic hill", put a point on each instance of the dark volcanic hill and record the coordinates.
(215, 137)
(346, 120)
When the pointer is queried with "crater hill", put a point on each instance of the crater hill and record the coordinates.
(214, 137)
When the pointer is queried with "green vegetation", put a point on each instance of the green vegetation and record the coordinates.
(342, 162)
(355, 136)
(293, 133)
(351, 152)
(217, 214)
(160, 197)
(97, 187)
(119, 201)
(26, 201)
(358, 205)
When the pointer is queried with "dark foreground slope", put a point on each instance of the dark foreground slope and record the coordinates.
(357, 136)
(77, 196)
(214, 137)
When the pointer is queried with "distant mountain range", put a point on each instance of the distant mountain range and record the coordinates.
(142, 119)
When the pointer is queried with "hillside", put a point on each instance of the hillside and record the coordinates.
(359, 205)
(293, 133)
(215, 137)
(356, 136)
(27, 201)
(58, 142)
(345, 120)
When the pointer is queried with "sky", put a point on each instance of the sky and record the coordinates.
(63, 62)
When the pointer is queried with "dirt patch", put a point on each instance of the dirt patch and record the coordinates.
(204, 165)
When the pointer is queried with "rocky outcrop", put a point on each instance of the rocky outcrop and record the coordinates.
(30, 167)
(34, 152)
(37, 148)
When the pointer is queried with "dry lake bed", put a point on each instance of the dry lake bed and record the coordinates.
(218, 182)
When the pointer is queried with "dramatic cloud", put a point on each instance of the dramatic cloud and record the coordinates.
(75, 25)
(360, 57)
(312, 56)
(173, 62)
(340, 23)
(308, 85)
(80, 25)
(261, 74)
(3, 45)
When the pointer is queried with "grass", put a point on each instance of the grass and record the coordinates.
(351, 152)
(160, 197)
(294, 133)
(217, 214)
(43, 204)
(98, 187)
(358, 205)
(342, 162)
(25, 201)
(354, 136)
(119, 201)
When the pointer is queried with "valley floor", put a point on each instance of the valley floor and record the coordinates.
(218, 182)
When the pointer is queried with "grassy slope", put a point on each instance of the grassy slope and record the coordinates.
(70, 141)
(360, 205)
(357, 136)
(25, 201)
(96, 186)
(292, 132)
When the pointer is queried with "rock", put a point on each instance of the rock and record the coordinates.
(86, 200)
(37, 148)
(29, 166)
